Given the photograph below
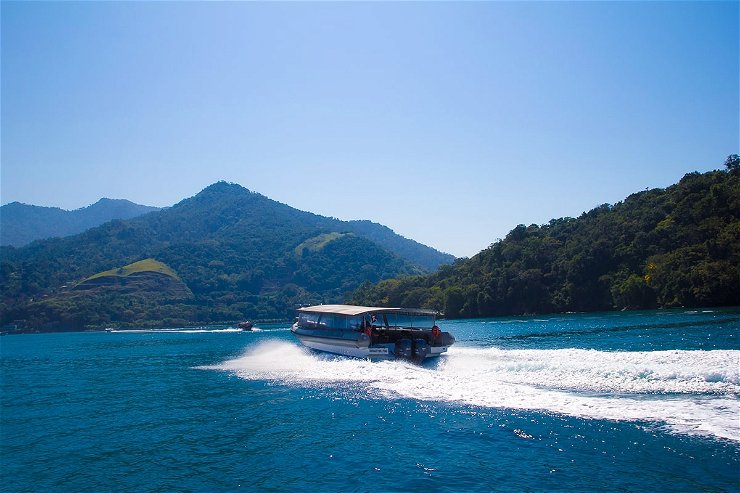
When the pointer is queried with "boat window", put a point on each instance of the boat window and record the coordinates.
(308, 319)
(334, 321)
(326, 321)
(407, 320)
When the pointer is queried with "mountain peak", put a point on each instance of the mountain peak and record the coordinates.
(23, 223)
(222, 187)
(106, 200)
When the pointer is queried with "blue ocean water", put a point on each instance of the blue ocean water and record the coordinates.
(633, 401)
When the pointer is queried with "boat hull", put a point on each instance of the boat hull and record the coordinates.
(360, 347)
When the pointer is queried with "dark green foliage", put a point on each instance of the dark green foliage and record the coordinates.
(673, 247)
(234, 250)
(140, 299)
(421, 255)
(733, 164)
(344, 264)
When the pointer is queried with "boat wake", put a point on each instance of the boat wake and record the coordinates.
(201, 330)
(695, 392)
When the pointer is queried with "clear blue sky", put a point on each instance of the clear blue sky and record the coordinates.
(451, 123)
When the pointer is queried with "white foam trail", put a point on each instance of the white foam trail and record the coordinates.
(179, 331)
(689, 391)
(204, 331)
(279, 360)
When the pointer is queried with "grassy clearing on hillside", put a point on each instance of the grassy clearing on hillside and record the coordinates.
(146, 265)
(317, 243)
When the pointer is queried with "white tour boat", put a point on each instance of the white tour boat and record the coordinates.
(372, 332)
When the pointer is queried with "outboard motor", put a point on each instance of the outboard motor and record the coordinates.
(446, 339)
(421, 348)
(403, 348)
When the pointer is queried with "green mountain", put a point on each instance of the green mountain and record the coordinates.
(120, 296)
(237, 253)
(659, 248)
(20, 224)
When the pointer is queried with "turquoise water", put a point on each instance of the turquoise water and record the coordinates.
(638, 401)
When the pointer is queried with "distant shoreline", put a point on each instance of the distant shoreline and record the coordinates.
(144, 327)
(257, 322)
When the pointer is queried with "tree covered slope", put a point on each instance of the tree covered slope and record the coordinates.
(659, 248)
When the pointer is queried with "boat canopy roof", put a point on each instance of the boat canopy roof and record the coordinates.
(353, 310)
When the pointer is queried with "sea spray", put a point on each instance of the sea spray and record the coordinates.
(688, 391)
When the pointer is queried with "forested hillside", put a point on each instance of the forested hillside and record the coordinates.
(20, 224)
(239, 254)
(658, 248)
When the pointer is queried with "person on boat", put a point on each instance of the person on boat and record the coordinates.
(435, 331)
(366, 327)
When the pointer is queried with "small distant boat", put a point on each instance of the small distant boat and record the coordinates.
(246, 325)
(372, 332)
